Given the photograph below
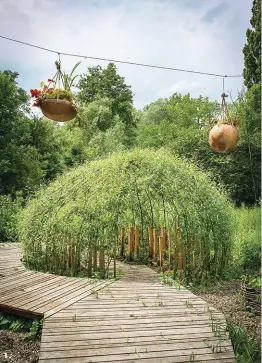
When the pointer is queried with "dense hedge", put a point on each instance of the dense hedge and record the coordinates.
(87, 206)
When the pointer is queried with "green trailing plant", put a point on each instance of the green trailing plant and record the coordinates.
(33, 328)
(87, 207)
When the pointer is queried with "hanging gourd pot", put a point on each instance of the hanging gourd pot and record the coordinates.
(57, 104)
(223, 137)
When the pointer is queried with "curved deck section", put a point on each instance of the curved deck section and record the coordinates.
(130, 320)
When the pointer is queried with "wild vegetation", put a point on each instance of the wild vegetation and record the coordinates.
(114, 166)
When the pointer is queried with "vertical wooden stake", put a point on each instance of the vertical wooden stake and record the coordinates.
(169, 247)
(95, 258)
(122, 247)
(131, 244)
(89, 267)
(73, 254)
(180, 258)
(164, 234)
(137, 241)
(150, 237)
(102, 263)
(114, 262)
(161, 250)
(154, 243)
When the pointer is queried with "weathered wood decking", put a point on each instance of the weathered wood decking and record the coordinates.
(130, 320)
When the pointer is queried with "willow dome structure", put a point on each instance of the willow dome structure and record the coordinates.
(87, 207)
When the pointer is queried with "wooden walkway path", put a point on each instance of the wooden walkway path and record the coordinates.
(130, 320)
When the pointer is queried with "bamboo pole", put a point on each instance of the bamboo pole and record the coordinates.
(122, 246)
(137, 241)
(102, 267)
(70, 255)
(169, 247)
(131, 244)
(154, 243)
(150, 237)
(95, 258)
(114, 263)
(89, 267)
(73, 253)
(161, 250)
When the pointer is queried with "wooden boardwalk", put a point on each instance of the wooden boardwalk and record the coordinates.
(130, 320)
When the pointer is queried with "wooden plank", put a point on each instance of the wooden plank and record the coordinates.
(41, 294)
(154, 350)
(134, 319)
(68, 287)
(73, 299)
(36, 286)
(177, 356)
(67, 298)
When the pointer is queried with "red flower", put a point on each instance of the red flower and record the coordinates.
(35, 93)
(50, 80)
(45, 88)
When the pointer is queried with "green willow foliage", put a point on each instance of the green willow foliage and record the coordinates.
(89, 205)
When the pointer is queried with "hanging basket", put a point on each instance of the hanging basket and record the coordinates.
(58, 110)
(223, 138)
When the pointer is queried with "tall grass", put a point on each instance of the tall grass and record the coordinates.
(246, 253)
(246, 348)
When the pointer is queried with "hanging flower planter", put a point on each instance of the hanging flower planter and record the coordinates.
(58, 109)
(57, 104)
(223, 137)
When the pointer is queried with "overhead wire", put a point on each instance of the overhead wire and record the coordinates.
(121, 61)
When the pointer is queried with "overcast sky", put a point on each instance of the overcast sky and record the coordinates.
(203, 35)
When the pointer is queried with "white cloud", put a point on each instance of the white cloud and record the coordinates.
(173, 33)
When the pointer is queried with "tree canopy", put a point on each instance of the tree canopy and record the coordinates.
(252, 49)
(107, 84)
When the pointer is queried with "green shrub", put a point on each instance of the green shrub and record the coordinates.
(247, 240)
(88, 206)
(9, 213)
(17, 324)
(247, 349)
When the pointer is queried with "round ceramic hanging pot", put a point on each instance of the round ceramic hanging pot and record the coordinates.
(223, 138)
(60, 110)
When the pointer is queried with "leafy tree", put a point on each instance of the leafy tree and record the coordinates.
(19, 164)
(155, 112)
(95, 116)
(105, 83)
(252, 49)
(46, 138)
(185, 131)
